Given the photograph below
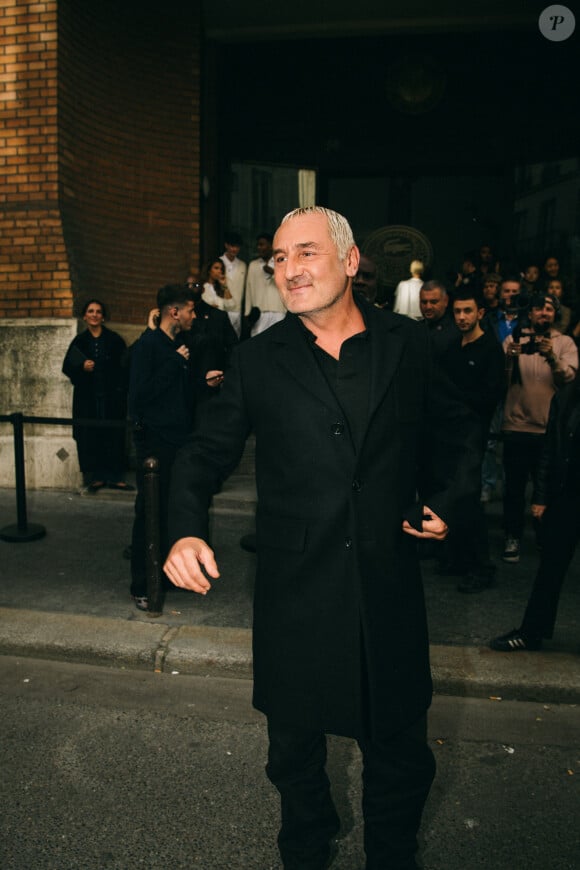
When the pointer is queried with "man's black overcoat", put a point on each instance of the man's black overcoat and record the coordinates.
(340, 636)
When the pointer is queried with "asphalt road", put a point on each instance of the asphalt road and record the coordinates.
(106, 769)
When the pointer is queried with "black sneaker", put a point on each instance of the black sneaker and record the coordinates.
(515, 641)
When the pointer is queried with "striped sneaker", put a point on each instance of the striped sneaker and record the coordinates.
(515, 641)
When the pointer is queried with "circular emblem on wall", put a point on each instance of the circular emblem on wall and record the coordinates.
(415, 85)
(393, 248)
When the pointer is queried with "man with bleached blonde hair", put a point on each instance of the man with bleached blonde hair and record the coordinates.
(407, 293)
(340, 400)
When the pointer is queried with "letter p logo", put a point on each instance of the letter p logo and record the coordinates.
(557, 23)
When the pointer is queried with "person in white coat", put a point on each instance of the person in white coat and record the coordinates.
(407, 292)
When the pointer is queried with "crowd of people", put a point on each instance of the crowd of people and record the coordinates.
(378, 436)
(507, 343)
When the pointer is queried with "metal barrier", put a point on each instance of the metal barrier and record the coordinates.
(23, 531)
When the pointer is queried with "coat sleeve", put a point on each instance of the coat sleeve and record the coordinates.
(450, 453)
(210, 456)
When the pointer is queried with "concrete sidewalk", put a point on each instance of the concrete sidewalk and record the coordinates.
(65, 597)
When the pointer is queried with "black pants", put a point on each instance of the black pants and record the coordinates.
(560, 533)
(397, 775)
(521, 453)
(147, 443)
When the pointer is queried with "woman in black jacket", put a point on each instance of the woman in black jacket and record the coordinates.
(96, 365)
(556, 502)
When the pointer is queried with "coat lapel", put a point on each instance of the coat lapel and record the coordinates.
(386, 348)
(292, 353)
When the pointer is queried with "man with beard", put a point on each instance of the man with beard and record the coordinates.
(475, 364)
(539, 361)
(341, 399)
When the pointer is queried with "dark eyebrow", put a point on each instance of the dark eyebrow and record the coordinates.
(299, 245)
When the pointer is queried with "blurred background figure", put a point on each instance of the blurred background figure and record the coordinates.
(214, 324)
(236, 271)
(531, 277)
(263, 306)
(96, 364)
(490, 291)
(408, 292)
(215, 286)
(366, 279)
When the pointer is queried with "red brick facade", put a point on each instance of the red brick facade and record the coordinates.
(99, 153)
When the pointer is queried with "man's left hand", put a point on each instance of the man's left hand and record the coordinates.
(214, 378)
(433, 527)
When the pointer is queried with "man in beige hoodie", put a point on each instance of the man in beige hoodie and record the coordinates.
(539, 360)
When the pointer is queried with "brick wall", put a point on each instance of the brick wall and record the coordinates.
(99, 153)
(34, 273)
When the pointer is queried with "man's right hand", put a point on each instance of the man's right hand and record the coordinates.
(183, 565)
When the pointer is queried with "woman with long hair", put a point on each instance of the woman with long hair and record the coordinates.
(215, 285)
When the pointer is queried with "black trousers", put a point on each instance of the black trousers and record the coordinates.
(147, 443)
(560, 533)
(397, 775)
(521, 453)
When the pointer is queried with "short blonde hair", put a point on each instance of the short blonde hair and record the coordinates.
(417, 267)
(338, 227)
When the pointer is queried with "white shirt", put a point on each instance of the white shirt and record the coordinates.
(407, 298)
(261, 289)
(236, 275)
(210, 296)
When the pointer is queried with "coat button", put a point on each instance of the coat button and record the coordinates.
(337, 428)
(348, 543)
(356, 485)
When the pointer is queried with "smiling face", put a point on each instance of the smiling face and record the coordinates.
(308, 272)
(542, 317)
(94, 315)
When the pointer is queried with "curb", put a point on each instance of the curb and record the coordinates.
(478, 672)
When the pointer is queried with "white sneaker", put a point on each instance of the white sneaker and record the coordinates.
(511, 551)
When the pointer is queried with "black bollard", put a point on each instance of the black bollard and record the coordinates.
(23, 531)
(153, 569)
